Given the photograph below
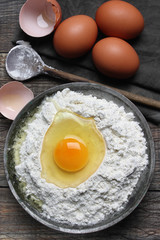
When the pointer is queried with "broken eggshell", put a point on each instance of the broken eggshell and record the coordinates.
(40, 18)
(13, 97)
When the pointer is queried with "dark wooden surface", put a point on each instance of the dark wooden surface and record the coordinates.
(15, 223)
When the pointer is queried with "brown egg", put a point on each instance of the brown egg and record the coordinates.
(115, 58)
(75, 36)
(119, 19)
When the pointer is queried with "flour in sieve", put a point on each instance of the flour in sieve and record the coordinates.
(108, 189)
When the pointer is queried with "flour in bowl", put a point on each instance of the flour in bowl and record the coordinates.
(109, 188)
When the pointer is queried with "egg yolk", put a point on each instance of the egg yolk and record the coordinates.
(72, 150)
(71, 155)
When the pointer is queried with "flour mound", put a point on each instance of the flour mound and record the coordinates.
(108, 189)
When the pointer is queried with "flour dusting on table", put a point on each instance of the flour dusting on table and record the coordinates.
(108, 189)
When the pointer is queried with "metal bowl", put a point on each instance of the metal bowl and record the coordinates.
(142, 185)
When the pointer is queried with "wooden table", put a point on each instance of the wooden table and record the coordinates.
(15, 223)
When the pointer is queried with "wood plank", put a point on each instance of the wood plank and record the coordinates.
(15, 223)
(9, 11)
(155, 184)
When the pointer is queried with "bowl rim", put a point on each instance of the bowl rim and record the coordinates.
(142, 121)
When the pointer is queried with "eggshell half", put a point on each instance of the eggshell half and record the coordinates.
(13, 97)
(39, 18)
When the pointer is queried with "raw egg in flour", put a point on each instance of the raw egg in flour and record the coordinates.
(72, 150)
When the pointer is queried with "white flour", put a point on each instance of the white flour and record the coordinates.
(105, 192)
(25, 63)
